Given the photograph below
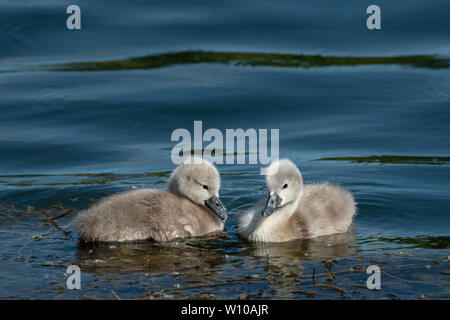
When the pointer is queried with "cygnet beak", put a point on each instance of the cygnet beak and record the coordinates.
(216, 206)
(273, 201)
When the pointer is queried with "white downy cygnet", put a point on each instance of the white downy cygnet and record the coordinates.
(190, 207)
(296, 211)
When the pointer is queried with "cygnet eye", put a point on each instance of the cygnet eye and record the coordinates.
(285, 186)
(205, 187)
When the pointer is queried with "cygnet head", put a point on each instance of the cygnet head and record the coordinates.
(284, 186)
(199, 181)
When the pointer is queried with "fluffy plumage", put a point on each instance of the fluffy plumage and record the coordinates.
(157, 214)
(305, 211)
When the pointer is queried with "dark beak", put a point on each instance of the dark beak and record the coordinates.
(273, 201)
(217, 207)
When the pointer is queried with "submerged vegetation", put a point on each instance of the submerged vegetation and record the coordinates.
(252, 59)
(423, 242)
(391, 159)
(66, 179)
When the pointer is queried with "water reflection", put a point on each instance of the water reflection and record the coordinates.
(146, 256)
(289, 256)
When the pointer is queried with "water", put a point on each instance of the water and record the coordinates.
(88, 113)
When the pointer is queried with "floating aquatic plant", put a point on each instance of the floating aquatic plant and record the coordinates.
(392, 159)
(252, 59)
